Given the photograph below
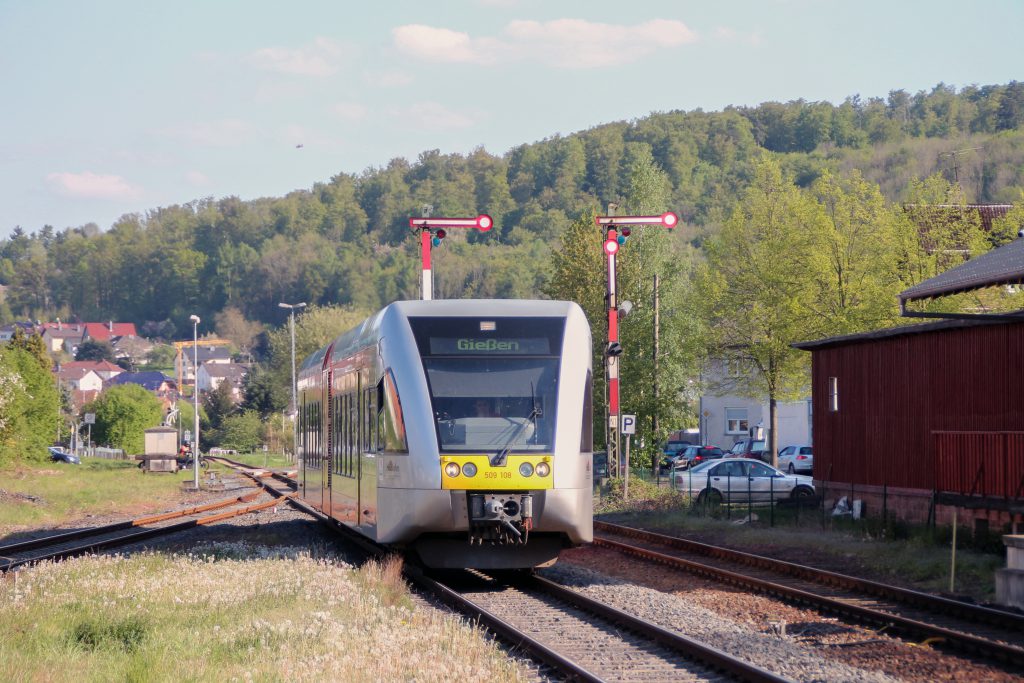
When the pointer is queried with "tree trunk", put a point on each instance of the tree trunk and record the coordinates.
(773, 431)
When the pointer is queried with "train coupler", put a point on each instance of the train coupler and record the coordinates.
(500, 518)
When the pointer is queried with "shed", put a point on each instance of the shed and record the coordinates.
(161, 441)
(913, 417)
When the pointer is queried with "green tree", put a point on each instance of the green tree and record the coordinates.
(855, 256)
(754, 290)
(218, 404)
(30, 406)
(123, 413)
(95, 349)
(242, 431)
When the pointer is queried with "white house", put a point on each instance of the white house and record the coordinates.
(211, 375)
(726, 416)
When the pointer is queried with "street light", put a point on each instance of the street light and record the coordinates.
(294, 407)
(195, 396)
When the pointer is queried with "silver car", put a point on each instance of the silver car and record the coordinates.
(796, 459)
(741, 480)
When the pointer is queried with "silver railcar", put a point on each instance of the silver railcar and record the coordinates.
(459, 430)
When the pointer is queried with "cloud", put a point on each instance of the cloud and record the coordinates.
(89, 185)
(223, 133)
(561, 43)
(433, 116)
(436, 44)
(350, 111)
(322, 58)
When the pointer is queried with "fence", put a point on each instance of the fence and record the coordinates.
(101, 452)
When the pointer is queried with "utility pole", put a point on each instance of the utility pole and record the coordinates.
(295, 406)
(655, 423)
(195, 397)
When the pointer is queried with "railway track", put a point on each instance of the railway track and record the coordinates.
(582, 638)
(82, 541)
(981, 631)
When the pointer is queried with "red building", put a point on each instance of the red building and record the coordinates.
(926, 418)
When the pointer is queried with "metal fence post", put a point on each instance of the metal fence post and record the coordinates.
(771, 500)
(728, 485)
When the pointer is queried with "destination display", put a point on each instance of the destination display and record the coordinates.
(491, 346)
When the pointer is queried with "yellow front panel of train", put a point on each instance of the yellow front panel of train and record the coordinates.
(521, 472)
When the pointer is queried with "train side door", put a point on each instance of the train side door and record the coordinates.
(327, 442)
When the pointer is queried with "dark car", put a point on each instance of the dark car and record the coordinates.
(673, 448)
(695, 455)
(600, 464)
(750, 448)
(58, 454)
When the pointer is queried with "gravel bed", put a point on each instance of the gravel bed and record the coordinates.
(772, 652)
(824, 637)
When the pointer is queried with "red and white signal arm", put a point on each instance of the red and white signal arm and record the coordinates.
(483, 222)
(611, 247)
(667, 219)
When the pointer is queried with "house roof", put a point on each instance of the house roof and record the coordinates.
(96, 365)
(150, 381)
(73, 374)
(899, 332)
(1001, 266)
(104, 331)
(229, 370)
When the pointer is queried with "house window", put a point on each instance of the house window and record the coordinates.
(736, 421)
(833, 394)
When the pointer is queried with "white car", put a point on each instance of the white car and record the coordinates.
(741, 480)
(794, 459)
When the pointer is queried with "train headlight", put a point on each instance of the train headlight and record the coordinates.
(526, 469)
(543, 469)
(452, 469)
(469, 469)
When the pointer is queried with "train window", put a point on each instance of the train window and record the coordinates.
(393, 428)
(587, 433)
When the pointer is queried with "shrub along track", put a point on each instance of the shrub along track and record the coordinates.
(990, 633)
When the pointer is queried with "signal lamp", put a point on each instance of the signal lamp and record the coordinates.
(543, 469)
(526, 469)
(626, 232)
(469, 469)
(452, 469)
(621, 239)
(614, 349)
(611, 247)
(442, 233)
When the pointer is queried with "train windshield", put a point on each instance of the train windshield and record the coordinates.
(493, 381)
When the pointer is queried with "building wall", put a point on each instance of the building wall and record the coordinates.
(895, 393)
(794, 420)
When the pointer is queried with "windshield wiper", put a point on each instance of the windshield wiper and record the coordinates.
(501, 456)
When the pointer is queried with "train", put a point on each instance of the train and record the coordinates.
(459, 432)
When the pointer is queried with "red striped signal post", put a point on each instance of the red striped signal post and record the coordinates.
(432, 233)
(617, 230)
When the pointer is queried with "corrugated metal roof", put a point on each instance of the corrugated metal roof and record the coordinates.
(898, 332)
(1001, 266)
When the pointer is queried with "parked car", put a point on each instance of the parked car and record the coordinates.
(749, 448)
(672, 449)
(695, 455)
(740, 480)
(794, 459)
(600, 464)
(58, 454)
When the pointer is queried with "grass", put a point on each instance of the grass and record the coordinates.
(899, 553)
(48, 494)
(244, 613)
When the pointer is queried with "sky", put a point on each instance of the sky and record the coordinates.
(111, 107)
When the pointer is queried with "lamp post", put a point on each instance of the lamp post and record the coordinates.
(195, 397)
(294, 408)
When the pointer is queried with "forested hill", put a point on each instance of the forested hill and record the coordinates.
(347, 240)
